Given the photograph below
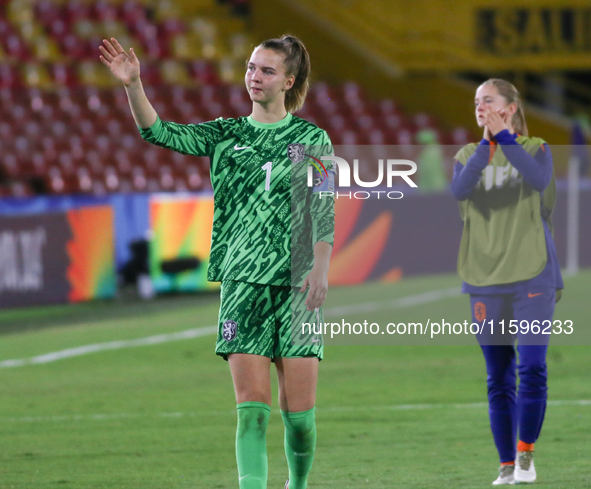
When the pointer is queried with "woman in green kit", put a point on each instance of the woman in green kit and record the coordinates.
(251, 169)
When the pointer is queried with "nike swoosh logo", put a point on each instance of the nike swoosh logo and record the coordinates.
(316, 341)
(238, 148)
(530, 295)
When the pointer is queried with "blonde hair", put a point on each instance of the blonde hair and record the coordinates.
(297, 63)
(511, 95)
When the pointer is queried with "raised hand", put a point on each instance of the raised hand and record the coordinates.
(125, 66)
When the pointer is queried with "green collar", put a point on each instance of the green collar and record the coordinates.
(274, 125)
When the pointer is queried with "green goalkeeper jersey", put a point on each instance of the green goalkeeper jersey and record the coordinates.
(256, 203)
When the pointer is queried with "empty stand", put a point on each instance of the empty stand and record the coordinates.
(65, 124)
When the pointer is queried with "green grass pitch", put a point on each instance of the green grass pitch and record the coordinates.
(163, 416)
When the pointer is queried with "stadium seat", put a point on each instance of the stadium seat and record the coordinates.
(64, 119)
(19, 189)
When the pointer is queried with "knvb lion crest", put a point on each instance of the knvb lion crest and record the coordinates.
(296, 152)
(229, 330)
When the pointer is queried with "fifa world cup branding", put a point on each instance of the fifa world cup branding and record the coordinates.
(21, 263)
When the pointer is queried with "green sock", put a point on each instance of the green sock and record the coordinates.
(251, 444)
(300, 445)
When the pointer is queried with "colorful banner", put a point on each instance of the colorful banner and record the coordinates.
(91, 250)
(180, 234)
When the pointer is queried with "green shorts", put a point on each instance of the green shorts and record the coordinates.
(266, 320)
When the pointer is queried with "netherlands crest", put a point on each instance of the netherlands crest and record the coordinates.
(229, 330)
(296, 152)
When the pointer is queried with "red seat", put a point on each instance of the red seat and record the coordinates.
(422, 120)
(47, 12)
(122, 162)
(352, 91)
(377, 137)
(125, 185)
(153, 185)
(132, 11)
(9, 76)
(144, 30)
(98, 187)
(180, 185)
(460, 136)
(38, 167)
(6, 132)
(111, 179)
(365, 123)
(193, 179)
(139, 181)
(203, 72)
(58, 28)
(387, 107)
(172, 27)
(55, 182)
(76, 10)
(66, 163)
(9, 167)
(32, 129)
(151, 74)
(73, 47)
(103, 145)
(84, 180)
(393, 121)
(94, 162)
(105, 11)
(405, 137)
(130, 142)
(20, 189)
(167, 179)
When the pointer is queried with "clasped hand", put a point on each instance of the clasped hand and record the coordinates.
(494, 122)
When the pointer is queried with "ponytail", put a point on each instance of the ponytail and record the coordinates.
(297, 63)
(511, 95)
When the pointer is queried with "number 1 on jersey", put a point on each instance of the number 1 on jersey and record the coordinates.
(267, 167)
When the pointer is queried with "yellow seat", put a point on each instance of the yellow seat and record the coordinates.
(30, 30)
(85, 29)
(186, 46)
(36, 75)
(18, 12)
(95, 73)
(174, 72)
(45, 49)
(166, 9)
(227, 70)
(116, 29)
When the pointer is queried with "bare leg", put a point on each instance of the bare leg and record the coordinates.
(251, 376)
(297, 383)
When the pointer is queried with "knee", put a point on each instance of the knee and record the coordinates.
(300, 424)
(501, 380)
(253, 418)
(253, 395)
(533, 377)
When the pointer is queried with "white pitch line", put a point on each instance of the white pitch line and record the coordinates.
(111, 345)
(409, 301)
(412, 300)
(472, 405)
(231, 412)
